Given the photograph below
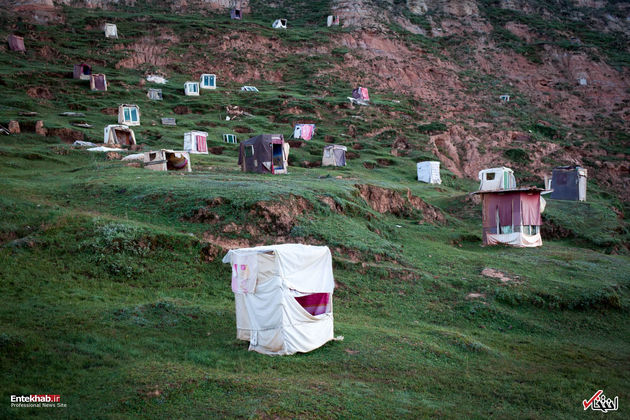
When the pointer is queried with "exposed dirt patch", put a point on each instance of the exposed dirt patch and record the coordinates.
(210, 252)
(113, 156)
(349, 254)
(279, 217)
(500, 275)
(148, 50)
(352, 130)
(430, 214)
(217, 150)
(296, 144)
(369, 165)
(181, 110)
(309, 164)
(225, 243)
(400, 147)
(384, 162)
(109, 111)
(379, 131)
(205, 214)
(384, 200)
(357, 146)
(67, 135)
(240, 129)
(329, 139)
(330, 202)
(352, 155)
(40, 92)
(231, 228)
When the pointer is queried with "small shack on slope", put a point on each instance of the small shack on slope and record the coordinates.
(196, 142)
(235, 13)
(98, 82)
(82, 71)
(569, 183)
(167, 160)
(129, 114)
(265, 153)
(111, 31)
(429, 172)
(512, 216)
(334, 155)
(16, 43)
(119, 134)
(154, 94)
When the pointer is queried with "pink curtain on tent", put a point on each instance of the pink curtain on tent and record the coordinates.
(513, 208)
(315, 304)
(202, 146)
(364, 94)
(508, 206)
(530, 207)
(306, 131)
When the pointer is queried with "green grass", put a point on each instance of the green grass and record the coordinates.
(109, 300)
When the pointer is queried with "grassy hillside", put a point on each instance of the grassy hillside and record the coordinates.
(114, 295)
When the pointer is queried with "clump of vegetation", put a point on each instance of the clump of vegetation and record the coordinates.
(517, 155)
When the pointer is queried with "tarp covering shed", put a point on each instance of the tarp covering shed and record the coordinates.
(119, 134)
(82, 71)
(279, 24)
(283, 296)
(208, 81)
(98, 82)
(191, 89)
(129, 114)
(569, 183)
(512, 217)
(429, 172)
(334, 155)
(235, 13)
(303, 131)
(496, 179)
(196, 142)
(265, 153)
(154, 94)
(16, 43)
(167, 160)
(111, 31)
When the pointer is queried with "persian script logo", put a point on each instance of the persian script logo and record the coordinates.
(599, 402)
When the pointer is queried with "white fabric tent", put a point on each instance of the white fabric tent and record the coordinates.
(283, 297)
(429, 172)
